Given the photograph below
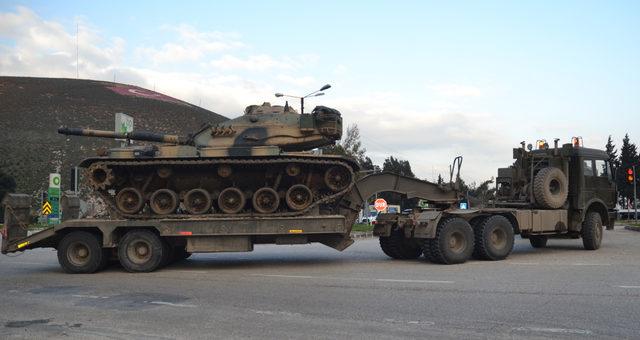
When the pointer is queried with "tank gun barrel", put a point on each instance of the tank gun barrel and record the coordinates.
(135, 135)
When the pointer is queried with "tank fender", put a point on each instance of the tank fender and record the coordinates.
(426, 223)
(598, 206)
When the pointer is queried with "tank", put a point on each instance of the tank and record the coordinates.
(259, 164)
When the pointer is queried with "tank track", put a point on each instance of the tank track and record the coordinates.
(145, 214)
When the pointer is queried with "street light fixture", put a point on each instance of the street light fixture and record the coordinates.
(312, 94)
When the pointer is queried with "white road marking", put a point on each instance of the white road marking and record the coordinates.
(413, 281)
(630, 287)
(350, 278)
(524, 263)
(187, 271)
(165, 303)
(269, 312)
(554, 330)
(29, 263)
(591, 264)
(90, 296)
(285, 276)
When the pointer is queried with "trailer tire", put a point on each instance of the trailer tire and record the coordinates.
(81, 252)
(398, 247)
(592, 231)
(538, 241)
(140, 251)
(453, 242)
(550, 188)
(494, 238)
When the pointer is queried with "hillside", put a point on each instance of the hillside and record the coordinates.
(31, 110)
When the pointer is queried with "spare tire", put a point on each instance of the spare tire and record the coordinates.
(550, 188)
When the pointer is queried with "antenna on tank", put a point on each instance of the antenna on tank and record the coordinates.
(317, 93)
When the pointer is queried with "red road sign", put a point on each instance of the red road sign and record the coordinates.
(380, 204)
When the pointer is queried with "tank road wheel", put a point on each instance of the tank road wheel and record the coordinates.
(337, 178)
(592, 231)
(163, 201)
(398, 247)
(100, 176)
(129, 200)
(550, 188)
(538, 241)
(494, 238)
(140, 251)
(453, 242)
(299, 197)
(231, 200)
(266, 200)
(293, 170)
(197, 201)
(81, 252)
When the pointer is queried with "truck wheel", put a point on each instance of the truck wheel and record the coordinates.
(81, 252)
(140, 251)
(398, 247)
(538, 241)
(550, 188)
(494, 238)
(453, 242)
(592, 231)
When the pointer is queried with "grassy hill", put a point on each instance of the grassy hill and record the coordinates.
(31, 110)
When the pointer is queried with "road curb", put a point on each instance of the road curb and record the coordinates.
(632, 228)
(362, 234)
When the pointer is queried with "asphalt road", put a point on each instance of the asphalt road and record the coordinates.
(311, 291)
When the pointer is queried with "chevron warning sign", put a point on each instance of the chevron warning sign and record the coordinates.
(46, 208)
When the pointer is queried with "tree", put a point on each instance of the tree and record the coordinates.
(398, 166)
(7, 185)
(351, 146)
(612, 152)
(628, 158)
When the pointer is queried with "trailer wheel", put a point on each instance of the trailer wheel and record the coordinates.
(398, 247)
(80, 252)
(592, 231)
(453, 242)
(494, 238)
(550, 188)
(140, 251)
(538, 241)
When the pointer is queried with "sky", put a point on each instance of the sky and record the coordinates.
(424, 81)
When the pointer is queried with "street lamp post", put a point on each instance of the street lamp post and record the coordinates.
(312, 94)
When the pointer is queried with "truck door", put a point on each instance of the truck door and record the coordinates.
(604, 187)
(588, 191)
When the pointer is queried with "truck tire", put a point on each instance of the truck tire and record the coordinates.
(140, 251)
(538, 241)
(453, 242)
(398, 247)
(81, 252)
(550, 188)
(494, 238)
(592, 231)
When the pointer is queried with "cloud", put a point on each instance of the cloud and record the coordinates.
(189, 45)
(260, 62)
(221, 75)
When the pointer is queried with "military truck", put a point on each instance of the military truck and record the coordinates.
(563, 192)
(559, 192)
